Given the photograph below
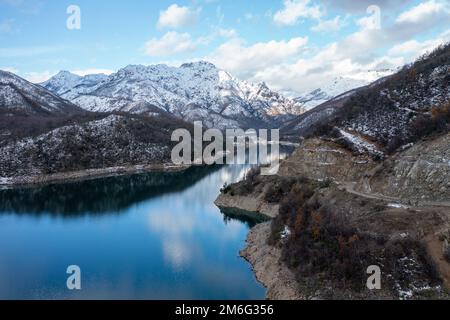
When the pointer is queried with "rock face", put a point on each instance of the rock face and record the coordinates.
(265, 259)
(421, 173)
(248, 203)
(317, 159)
(194, 91)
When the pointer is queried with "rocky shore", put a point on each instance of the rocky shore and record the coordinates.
(41, 179)
(248, 204)
(265, 260)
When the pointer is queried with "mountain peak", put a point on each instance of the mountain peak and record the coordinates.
(199, 65)
(20, 94)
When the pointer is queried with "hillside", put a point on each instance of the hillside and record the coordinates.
(390, 112)
(19, 95)
(110, 142)
(406, 106)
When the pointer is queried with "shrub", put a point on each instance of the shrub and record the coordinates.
(325, 245)
(225, 189)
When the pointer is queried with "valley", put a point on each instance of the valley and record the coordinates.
(367, 185)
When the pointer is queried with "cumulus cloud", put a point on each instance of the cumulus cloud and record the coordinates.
(414, 49)
(243, 60)
(424, 12)
(295, 10)
(362, 55)
(175, 17)
(352, 6)
(169, 44)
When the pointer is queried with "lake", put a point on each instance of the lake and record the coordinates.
(145, 236)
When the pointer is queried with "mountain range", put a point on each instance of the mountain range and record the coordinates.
(194, 91)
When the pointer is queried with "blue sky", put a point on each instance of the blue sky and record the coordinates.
(293, 45)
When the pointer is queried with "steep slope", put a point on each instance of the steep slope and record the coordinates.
(419, 174)
(404, 107)
(329, 91)
(310, 121)
(391, 112)
(20, 96)
(194, 91)
(71, 85)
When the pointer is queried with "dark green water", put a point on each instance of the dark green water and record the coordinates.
(148, 236)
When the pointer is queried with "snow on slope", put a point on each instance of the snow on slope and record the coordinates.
(17, 94)
(338, 86)
(360, 144)
(194, 91)
(109, 142)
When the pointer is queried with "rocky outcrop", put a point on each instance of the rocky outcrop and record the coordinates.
(247, 203)
(318, 159)
(419, 174)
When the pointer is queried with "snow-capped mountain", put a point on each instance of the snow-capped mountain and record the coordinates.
(17, 94)
(338, 86)
(194, 91)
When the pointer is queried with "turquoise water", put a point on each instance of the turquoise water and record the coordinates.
(147, 236)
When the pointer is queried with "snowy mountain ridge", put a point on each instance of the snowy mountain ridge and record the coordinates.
(338, 86)
(17, 94)
(194, 91)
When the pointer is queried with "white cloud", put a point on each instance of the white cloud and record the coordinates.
(329, 25)
(38, 77)
(175, 17)
(10, 69)
(85, 72)
(243, 61)
(424, 12)
(294, 10)
(357, 57)
(413, 49)
(171, 43)
(361, 5)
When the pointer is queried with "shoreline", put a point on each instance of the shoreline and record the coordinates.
(247, 204)
(264, 259)
(82, 175)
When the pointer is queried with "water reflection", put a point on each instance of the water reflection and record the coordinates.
(251, 219)
(154, 236)
(99, 196)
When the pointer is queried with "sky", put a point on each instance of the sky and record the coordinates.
(293, 45)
